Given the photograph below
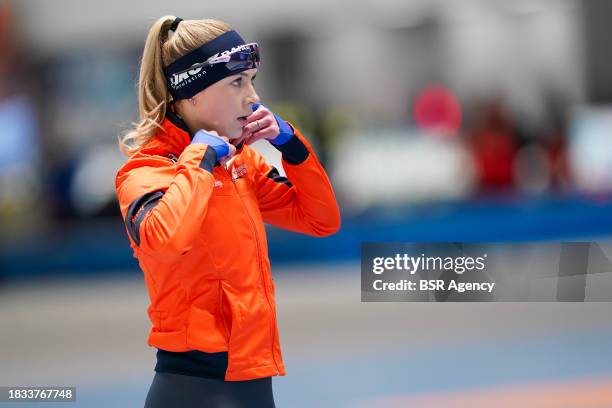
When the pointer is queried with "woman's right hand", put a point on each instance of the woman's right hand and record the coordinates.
(220, 144)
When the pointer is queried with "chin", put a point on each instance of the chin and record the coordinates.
(234, 134)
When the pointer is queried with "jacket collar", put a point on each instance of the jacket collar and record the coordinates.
(177, 121)
(174, 137)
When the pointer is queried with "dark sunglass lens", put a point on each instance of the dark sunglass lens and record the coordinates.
(242, 60)
(235, 65)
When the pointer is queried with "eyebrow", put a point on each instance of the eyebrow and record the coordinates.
(246, 75)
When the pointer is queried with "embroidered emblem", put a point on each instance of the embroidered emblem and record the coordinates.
(239, 171)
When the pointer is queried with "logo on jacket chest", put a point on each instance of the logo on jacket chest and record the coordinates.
(239, 171)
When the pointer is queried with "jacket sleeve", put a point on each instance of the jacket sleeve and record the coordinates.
(163, 207)
(304, 201)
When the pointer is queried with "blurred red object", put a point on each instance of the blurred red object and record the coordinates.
(437, 111)
(493, 143)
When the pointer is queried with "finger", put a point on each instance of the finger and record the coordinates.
(268, 132)
(232, 151)
(262, 134)
(271, 131)
(242, 138)
(253, 139)
(261, 124)
(212, 132)
(258, 114)
(250, 139)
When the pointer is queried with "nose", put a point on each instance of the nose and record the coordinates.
(252, 96)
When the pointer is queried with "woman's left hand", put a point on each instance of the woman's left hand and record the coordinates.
(264, 124)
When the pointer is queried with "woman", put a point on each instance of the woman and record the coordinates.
(195, 196)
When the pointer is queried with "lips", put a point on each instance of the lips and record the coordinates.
(242, 120)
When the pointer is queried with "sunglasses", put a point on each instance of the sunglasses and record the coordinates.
(246, 57)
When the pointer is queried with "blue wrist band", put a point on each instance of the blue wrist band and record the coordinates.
(219, 145)
(285, 134)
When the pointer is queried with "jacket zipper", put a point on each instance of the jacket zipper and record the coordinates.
(258, 262)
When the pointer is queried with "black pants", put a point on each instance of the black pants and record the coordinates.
(170, 390)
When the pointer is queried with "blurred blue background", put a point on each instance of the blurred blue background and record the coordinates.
(471, 120)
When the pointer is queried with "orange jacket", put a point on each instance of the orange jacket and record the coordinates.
(198, 234)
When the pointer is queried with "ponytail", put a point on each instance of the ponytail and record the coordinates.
(162, 47)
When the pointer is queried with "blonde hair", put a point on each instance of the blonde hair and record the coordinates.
(163, 47)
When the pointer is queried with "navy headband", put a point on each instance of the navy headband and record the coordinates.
(187, 84)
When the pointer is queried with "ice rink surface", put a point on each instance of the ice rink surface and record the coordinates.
(339, 352)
